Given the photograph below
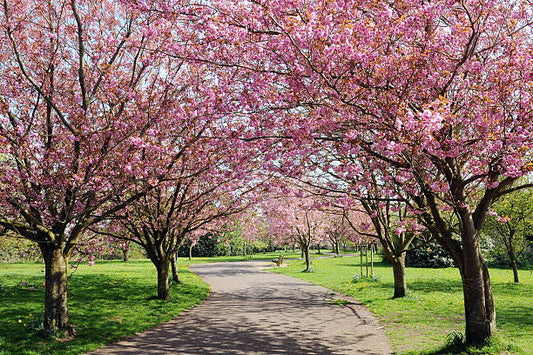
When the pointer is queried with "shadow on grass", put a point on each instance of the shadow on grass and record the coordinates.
(101, 309)
(428, 286)
(515, 314)
(377, 264)
(420, 287)
(493, 345)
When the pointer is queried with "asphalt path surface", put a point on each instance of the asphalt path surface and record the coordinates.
(253, 311)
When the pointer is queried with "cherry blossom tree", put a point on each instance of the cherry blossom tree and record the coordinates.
(253, 227)
(85, 93)
(199, 194)
(437, 93)
(371, 207)
(338, 232)
(292, 217)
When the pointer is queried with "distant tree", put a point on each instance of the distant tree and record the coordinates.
(203, 244)
(509, 225)
(338, 231)
(293, 218)
(394, 227)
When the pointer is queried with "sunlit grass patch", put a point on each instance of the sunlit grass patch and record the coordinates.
(433, 308)
(107, 301)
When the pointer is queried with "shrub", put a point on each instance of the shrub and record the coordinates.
(429, 255)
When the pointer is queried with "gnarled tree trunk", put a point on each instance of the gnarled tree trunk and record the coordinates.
(480, 314)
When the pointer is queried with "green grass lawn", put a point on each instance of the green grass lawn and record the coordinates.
(433, 309)
(111, 300)
(107, 301)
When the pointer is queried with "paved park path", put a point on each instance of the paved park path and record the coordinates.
(252, 311)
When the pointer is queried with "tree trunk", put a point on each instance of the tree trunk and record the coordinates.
(163, 289)
(371, 259)
(515, 271)
(398, 270)
(337, 248)
(361, 259)
(512, 258)
(125, 255)
(55, 303)
(480, 314)
(318, 248)
(366, 260)
(190, 251)
(173, 262)
(307, 259)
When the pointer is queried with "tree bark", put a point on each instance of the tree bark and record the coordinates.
(190, 251)
(480, 315)
(55, 305)
(398, 270)
(125, 255)
(163, 288)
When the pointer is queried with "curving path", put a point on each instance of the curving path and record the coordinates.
(252, 311)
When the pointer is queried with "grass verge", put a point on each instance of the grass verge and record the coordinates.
(420, 322)
(107, 301)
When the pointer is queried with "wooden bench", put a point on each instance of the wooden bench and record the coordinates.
(278, 261)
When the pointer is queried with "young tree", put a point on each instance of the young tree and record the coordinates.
(395, 230)
(509, 225)
(371, 206)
